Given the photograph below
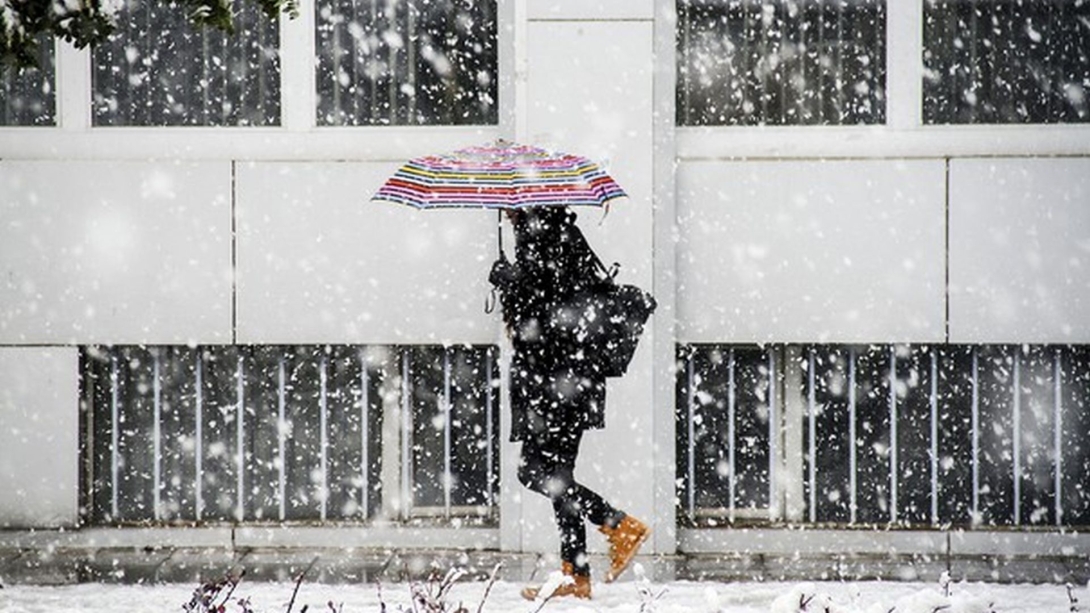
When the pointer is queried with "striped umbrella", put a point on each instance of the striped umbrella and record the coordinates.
(503, 175)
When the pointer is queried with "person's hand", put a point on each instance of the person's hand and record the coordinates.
(503, 273)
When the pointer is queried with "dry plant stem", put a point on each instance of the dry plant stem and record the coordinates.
(299, 582)
(234, 584)
(488, 588)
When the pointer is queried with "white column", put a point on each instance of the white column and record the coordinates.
(794, 415)
(904, 69)
(298, 56)
(73, 87)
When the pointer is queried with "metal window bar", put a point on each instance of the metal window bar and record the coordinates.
(1057, 436)
(281, 439)
(240, 439)
(975, 435)
(114, 436)
(1016, 436)
(157, 411)
(690, 469)
(811, 415)
(893, 445)
(365, 437)
(200, 437)
(852, 443)
(323, 426)
(732, 413)
(447, 476)
(773, 436)
(488, 409)
(406, 436)
(934, 402)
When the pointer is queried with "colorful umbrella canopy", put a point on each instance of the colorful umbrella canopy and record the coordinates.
(502, 175)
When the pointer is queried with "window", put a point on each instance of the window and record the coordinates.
(27, 96)
(1015, 61)
(268, 433)
(787, 62)
(909, 435)
(406, 63)
(159, 70)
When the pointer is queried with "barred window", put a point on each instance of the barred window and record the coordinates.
(910, 435)
(270, 433)
(27, 97)
(1011, 61)
(159, 70)
(783, 62)
(406, 63)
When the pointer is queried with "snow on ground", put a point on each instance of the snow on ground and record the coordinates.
(624, 597)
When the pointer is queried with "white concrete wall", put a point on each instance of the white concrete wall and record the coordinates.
(1020, 250)
(799, 251)
(39, 431)
(319, 263)
(115, 252)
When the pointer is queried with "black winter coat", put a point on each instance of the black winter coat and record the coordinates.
(553, 386)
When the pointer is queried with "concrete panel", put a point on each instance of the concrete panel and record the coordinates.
(39, 437)
(1019, 250)
(589, 91)
(319, 263)
(848, 251)
(115, 252)
(590, 9)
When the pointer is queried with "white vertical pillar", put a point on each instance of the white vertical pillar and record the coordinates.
(904, 57)
(664, 280)
(73, 87)
(794, 416)
(298, 97)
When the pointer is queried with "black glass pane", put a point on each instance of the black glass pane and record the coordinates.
(384, 62)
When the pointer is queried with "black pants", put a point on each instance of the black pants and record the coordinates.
(547, 467)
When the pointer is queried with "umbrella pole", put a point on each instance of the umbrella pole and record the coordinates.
(499, 231)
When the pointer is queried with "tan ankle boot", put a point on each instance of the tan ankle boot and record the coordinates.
(624, 542)
(579, 587)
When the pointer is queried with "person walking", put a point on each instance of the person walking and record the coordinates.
(557, 391)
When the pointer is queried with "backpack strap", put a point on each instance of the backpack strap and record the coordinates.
(608, 273)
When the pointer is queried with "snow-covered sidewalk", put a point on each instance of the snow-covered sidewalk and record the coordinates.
(624, 597)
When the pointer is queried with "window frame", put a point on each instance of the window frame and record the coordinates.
(298, 137)
(903, 135)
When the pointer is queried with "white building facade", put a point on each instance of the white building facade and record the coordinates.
(870, 343)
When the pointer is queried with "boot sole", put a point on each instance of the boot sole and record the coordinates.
(611, 576)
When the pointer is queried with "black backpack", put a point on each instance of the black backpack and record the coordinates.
(605, 319)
